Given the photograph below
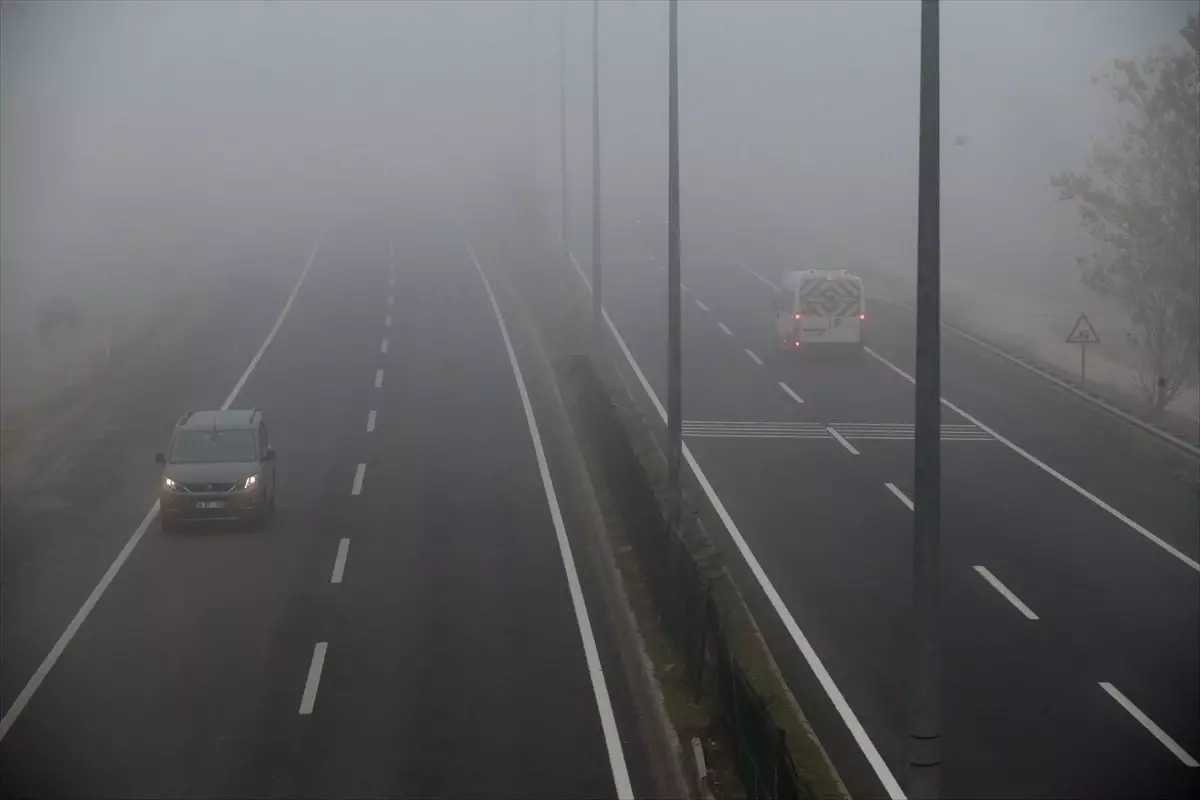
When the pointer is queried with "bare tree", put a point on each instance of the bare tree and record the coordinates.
(1141, 205)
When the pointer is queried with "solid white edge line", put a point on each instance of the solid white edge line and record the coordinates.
(383, 346)
(1165, 438)
(842, 441)
(725, 328)
(339, 561)
(1149, 725)
(790, 393)
(309, 698)
(370, 420)
(1191, 562)
(1005, 592)
(378, 378)
(608, 720)
(899, 495)
(702, 306)
(849, 718)
(757, 360)
(358, 479)
(387, 321)
(39, 675)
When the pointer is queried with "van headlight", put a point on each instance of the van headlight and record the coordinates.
(170, 484)
(250, 482)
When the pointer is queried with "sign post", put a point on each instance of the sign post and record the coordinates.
(1083, 334)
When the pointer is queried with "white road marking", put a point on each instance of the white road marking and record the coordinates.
(723, 327)
(391, 299)
(899, 494)
(370, 420)
(392, 281)
(358, 479)
(755, 274)
(309, 698)
(1149, 725)
(842, 441)
(39, 675)
(1006, 592)
(757, 360)
(702, 306)
(378, 378)
(684, 287)
(383, 346)
(608, 721)
(1191, 562)
(849, 718)
(787, 389)
(339, 561)
(387, 321)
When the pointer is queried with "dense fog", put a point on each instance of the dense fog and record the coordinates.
(144, 144)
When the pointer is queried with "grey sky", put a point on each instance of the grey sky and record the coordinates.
(798, 119)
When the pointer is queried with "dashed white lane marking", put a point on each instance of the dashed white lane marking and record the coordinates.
(757, 360)
(723, 327)
(378, 378)
(842, 441)
(756, 275)
(383, 346)
(309, 698)
(370, 420)
(811, 657)
(391, 299)
(339, 561)
(684, 287)
(387, 321)
(358, 479)
(900, 495)
(608, 720)
(1149, 725)
(392, 281)
(790, 393)
(39, 675)
(1005, 592)
(1191, 562)
(701, 306)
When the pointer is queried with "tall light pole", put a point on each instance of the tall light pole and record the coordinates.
(925, 746)
(597, 286)
(674, 349)
(563, 196)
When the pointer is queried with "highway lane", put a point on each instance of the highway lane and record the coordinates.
(444, 659)
(1025, 714)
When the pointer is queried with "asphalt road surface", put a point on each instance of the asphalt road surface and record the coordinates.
(1070, 588)
(406, 625)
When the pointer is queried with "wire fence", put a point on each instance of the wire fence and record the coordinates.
(683, 595)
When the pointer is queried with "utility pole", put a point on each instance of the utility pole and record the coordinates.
(925, 746)
(674, 349)
(563, 198)
(597, 285)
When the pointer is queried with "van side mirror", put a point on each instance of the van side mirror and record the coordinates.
(159, 458)
(268, 455)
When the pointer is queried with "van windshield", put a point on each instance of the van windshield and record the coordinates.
(207, 447)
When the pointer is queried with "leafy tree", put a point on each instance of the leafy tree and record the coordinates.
(1140, 202)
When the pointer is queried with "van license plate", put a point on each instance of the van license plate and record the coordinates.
(210, 504)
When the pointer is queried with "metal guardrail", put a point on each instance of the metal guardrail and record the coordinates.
(683, 596)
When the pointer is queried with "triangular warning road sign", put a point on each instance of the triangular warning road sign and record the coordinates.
(1083, 332)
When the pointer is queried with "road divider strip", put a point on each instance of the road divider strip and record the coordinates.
(725, 328)
(378, 378)
(371, 420)
(383, 346)
(753, 357)
(841, 706)
(31, 686)
(790, 393)
(358, 479)
(387, 321)
(842, 441)
(701, 305)
(608, 720)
